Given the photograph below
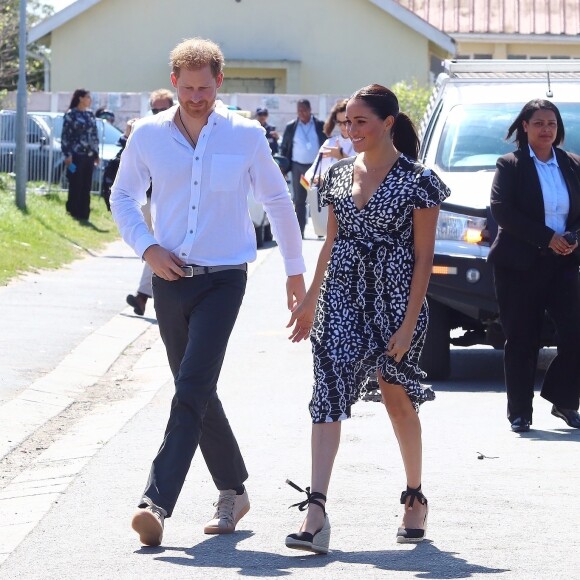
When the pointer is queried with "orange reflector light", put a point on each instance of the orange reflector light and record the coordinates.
(472, 236)
(452, 270)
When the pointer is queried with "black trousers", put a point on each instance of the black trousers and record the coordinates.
(78, 204)
(299, 193)
(196, 316)
(523, 298)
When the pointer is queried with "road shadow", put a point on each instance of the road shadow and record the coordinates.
(424, 560)
(563, 434)
(481, 369)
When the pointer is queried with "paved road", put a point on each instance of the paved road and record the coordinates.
(65, 510)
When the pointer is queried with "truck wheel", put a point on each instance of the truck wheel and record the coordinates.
(435, 358)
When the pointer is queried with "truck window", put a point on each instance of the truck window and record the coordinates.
(474, 135)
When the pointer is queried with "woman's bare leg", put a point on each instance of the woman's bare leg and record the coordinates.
(407, 428)
(324, 443)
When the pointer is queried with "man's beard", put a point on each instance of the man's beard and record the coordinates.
(201, 109)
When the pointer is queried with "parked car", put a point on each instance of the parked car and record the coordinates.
(43, 133)
(472, 106)
(44, 156)
(108, 141)
(260, 221)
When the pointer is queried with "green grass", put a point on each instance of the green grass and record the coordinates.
(44, 235)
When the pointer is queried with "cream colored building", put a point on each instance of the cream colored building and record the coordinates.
(270, 46)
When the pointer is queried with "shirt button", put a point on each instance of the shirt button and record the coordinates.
(191, 231)
(195, 183)
(192, 207)
(197, 158)
(183, 254)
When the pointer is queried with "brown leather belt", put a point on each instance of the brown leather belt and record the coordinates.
(192, 270)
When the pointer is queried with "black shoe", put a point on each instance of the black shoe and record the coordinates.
(319, 541)
(413, 535)
(521, 425)
(137, 302)
(571, 417)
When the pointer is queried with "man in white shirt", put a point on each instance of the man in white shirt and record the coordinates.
(202, 160)
(300, 143)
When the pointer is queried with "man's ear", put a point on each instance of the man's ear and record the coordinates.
(173, 79)
(219, 80)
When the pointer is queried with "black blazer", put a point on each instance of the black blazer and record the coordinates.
(517, 205)
(288, 137)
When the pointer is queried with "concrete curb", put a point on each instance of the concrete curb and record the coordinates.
(54, 392)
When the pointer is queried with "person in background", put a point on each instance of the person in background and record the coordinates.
(203, 160)
(301, 140)
(112, 166)
(80, 147)
(365, 311)
(271, 134)
(159, 100)
(334, 148)
(535, 200)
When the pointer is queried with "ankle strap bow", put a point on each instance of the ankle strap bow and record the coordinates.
(413, 493)
(311, 498)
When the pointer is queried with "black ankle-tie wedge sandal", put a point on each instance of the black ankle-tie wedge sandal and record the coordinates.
(317, 542)
(413, 535)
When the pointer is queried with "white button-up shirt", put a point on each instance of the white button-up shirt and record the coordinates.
(305, 145)
(199, 205)
(554, 192)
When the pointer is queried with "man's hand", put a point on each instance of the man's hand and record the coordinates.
(295, 290)
(163, 263)
(302, 318)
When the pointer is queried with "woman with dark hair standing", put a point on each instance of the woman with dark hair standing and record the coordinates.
(535, 199)
(80, 147)
(365, 311)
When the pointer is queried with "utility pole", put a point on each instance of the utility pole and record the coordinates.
(21, 104)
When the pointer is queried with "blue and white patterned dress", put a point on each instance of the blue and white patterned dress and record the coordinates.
(364, 294)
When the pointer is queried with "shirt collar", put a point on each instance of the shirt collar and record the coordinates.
(551, 161)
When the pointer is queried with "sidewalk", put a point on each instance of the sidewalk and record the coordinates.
(513, 513)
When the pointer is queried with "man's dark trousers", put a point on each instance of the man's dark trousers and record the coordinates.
(196, 316)
(523, 296)
(299, 197)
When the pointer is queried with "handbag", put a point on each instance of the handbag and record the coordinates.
(318, 213)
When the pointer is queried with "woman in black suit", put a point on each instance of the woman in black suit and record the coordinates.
(535, 200)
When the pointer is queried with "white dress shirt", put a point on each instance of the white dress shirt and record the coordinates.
(199, 205)
(554, 192)
(306, 143)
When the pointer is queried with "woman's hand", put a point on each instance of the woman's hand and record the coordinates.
(302, 318)
(400, 343)
(560, 246)
(335, 152)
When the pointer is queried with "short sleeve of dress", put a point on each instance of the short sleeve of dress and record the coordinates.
(325, 190)
(431, 191)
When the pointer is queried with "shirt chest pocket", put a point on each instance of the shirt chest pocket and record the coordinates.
(226, 172)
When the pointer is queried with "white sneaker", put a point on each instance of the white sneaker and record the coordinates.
(230, 509)
(148, 523)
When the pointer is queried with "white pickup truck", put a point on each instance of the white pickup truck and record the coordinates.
(463, 134)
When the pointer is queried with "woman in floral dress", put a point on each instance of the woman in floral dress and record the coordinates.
(365, 311)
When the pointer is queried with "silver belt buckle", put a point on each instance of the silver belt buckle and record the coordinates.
(187, 271)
